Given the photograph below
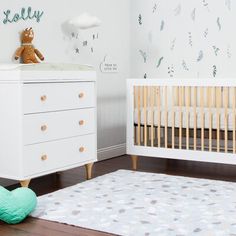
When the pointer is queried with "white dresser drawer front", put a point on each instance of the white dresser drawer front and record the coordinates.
(43, 127)
(51, 156)
(44, 97)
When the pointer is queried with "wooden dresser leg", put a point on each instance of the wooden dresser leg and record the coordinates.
(25, 183)
(134, 162)
(89, 168)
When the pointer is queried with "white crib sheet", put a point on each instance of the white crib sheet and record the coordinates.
(184, 117)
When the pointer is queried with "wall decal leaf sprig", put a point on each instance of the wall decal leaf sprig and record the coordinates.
(173, 42)
(177, 10)
(206, 4)
(140, 20)
(214, 71)
(144, 55)
(228, 4)
(229, 54)
(206, 32)
(190, 40)
(162, 25)
(171, 71)
(159, 62)
(184, 64)
(216, 50)
(154, 9)
(200, 56)
(193, 14)
(218, 23)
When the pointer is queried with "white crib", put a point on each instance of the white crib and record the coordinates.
(188, 119)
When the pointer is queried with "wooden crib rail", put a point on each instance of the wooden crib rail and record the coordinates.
(183, 115)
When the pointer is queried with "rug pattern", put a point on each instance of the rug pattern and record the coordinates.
(136, 203)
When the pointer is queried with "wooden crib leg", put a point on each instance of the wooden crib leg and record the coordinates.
(134, 162)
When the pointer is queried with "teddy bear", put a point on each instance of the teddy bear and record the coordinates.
(27, 52)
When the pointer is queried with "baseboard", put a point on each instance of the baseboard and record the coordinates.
(7, 182)
(113, 151)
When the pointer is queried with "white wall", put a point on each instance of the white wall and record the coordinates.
(190, 28)
(113, 41)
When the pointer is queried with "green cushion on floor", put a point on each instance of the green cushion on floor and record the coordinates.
(16, 205)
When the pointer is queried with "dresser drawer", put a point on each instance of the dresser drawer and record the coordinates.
(51, 156)
(44, 127)
(44, 97)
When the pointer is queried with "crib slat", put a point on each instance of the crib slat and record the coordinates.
(173, 118)
(135, 97)
(145, 114)
(166, 117)
(180, 116)
(234, 119)
(195, 118)
(218, 103)
(155, 121)
(159, 116)
(152, 115)
(215, 96)
(139, 115)
(210, 117)
(226, 99)
(202, 117)
(177, 96)
(135, 109)
(208, 96)
(187, 117)
(149, 114)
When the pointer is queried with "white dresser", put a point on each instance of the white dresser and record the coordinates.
(47, 120)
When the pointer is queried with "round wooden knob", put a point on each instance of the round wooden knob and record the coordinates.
(44, 157)
(81, 95)
(44, 128)
(43, 98)
(82, 149)
(81, 122)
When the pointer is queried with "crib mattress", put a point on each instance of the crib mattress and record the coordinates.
(183, 112)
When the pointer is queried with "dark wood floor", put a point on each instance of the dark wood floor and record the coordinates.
(50, 183)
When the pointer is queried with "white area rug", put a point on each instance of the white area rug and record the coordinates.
(135, 203)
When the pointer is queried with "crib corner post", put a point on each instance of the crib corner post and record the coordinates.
(134, 162)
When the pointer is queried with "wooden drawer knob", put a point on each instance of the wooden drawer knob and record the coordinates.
(44, 157)
(81, 122)
(44, 128)
(43, 98)
(82, 149)
(81, 95)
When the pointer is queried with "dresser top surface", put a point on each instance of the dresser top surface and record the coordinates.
(46, 67)
(46, 72)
